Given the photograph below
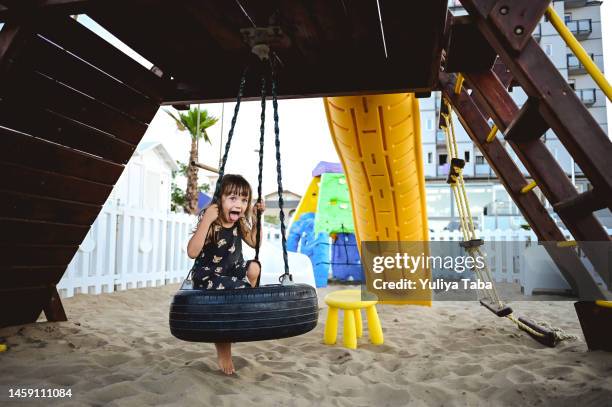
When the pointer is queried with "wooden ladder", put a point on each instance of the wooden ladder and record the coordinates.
(502, 28)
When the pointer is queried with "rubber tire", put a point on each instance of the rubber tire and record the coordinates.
(250, 314)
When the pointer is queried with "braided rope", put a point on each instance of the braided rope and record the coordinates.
(279, 178)
(216, 196)
(260, 173)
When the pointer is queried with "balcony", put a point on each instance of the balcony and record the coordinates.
(574, 67)
(575, 3)
(580, 28)
(587, 96)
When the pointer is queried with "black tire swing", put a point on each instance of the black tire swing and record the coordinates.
(252, 314)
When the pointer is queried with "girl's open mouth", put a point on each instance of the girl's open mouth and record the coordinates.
(234, 216)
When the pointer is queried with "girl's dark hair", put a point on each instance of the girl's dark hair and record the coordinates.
(230, 184)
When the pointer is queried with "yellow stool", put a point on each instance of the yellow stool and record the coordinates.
(350, 301)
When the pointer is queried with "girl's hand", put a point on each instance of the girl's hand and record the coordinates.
(259, 207)
(211, 213)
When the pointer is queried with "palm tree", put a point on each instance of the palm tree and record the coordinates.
(195, 121)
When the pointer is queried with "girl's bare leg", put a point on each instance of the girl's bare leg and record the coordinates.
(224, 357)
(253, 273)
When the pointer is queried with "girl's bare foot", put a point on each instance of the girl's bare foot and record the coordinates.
(224, 357)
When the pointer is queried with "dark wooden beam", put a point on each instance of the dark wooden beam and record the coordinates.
(528, 123)
(540, 164)
(565, 113)
(467, 49)
(53, 309)
(513, 180)
(517, 19)
(19, 9)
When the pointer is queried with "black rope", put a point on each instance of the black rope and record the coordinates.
(216, 196)
(279, 178)
(260, 174)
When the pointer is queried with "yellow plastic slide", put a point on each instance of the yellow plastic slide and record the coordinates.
(378, 140)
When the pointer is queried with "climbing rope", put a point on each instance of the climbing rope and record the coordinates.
(546, 334)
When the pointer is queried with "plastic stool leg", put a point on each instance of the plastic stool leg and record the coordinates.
(331, 326)
(350, 339)
(358, 323)
(376, 335)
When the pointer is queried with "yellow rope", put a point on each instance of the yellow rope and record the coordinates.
(467, 222)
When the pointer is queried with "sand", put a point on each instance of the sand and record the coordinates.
(117, 350)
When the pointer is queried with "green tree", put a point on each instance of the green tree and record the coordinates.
(195, 121)
(177, 195)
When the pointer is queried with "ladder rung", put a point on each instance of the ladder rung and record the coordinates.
(581, 204)
(527, 125)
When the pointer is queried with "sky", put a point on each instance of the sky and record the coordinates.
(304, 133)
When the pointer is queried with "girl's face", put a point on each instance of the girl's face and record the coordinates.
(234, 206)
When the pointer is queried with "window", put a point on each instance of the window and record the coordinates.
(480, 159)
(429, 158)
(442, 159)
(572, 83)
(429, 124)
(548, 49)
(466, 156)
(568, 17)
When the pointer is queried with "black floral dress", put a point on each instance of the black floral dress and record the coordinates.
(220, 264)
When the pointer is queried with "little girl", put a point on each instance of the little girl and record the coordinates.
(217, 247)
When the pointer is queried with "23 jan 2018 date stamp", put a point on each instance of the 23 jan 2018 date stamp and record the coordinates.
(23, 392)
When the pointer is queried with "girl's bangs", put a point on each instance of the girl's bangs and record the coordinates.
(237, 188)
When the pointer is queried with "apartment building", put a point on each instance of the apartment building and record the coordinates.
(583, 18)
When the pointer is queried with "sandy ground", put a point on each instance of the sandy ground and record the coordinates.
(116, 349)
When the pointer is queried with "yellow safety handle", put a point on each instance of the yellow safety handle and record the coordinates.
(580, 53)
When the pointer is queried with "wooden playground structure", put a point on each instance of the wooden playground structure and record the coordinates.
(73, 108)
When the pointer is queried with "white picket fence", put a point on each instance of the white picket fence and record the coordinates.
(502, 248)
(129, 248)
(132, 248)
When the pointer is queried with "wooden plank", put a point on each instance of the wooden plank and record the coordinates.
(467, 50)
(585, 203)
(53, 308)
(62, 130)
(181, 40)
(13, 277)
(24, 150)
(402, 38)
(517, 19)
(47, 58)
(528, 124)
(32, 207)
(22, 306)
(82, 42)
(67, 102)
(22, 232)
(53, 185)
(477, 128)
(37, 255)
